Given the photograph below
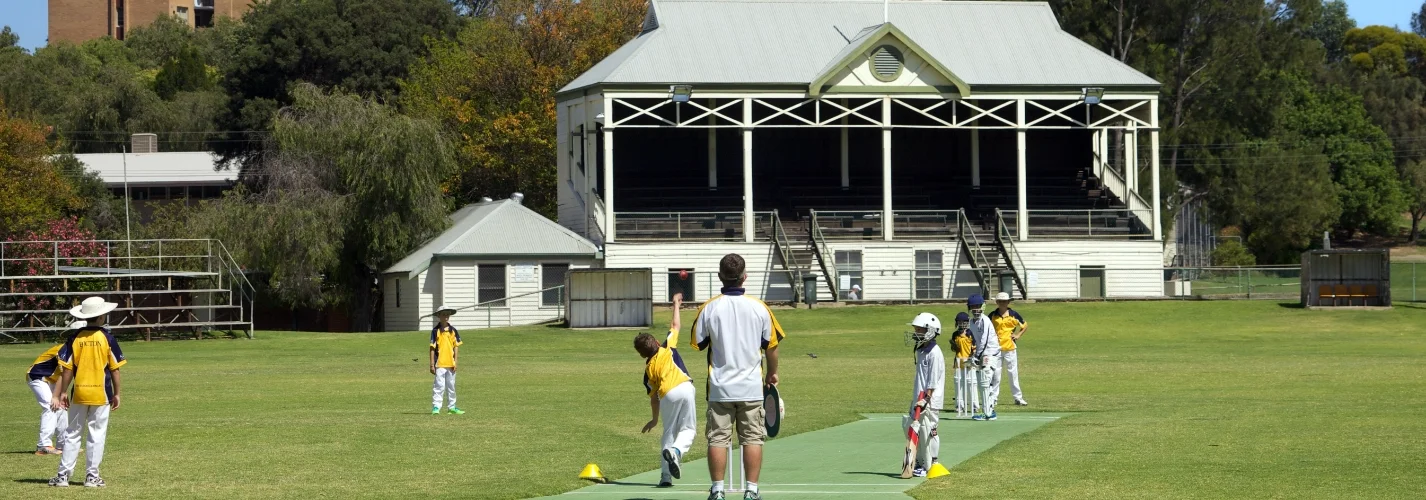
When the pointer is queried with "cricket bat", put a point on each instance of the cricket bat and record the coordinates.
(913, 440)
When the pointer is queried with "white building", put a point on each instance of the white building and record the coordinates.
(1005, 153)
(500, 263)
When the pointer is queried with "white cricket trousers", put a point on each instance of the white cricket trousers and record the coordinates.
(1011, 365)
(445, 385)
(928, 445)
(678, 410)
(95, 420)
(989, 376)
(53, 424)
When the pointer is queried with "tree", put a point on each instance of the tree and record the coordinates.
(1414, 178)
(184, 73)
(360, 46)
(32, 191)
(494, 88)
(350, 188)
(1418, 21)
(8, 39)
(1280, 198)
(1232, 253)
(1331, 29)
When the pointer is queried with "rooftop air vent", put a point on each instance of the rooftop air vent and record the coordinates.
(886, 63)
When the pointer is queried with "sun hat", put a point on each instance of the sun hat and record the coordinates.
(445, 308)
(92, 307)
(1002, 297)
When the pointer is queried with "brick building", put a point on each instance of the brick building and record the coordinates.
(80, 20)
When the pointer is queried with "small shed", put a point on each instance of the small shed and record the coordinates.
(1346, 277)
(602, 298)
(500, 264)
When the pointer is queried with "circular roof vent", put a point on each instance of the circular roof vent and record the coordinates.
(886, 63)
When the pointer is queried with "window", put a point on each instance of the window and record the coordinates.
(552, 275)
(578, 136)
(490, 285)
(599, 160)
(678, 283)
(182, 13)
(928, 274)
(849, 275)
(397, 282)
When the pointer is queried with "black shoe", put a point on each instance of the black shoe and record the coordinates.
(665, 484)
(671, 457)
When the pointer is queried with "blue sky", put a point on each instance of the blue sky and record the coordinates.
(29, 18)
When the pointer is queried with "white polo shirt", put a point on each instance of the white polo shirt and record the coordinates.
(930, 374)
(734, 329)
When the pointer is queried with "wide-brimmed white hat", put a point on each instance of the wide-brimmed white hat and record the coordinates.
(445, 308)
(1002, 297)
(75, 325)
(92, 307)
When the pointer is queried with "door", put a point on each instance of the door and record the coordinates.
(1091, 282)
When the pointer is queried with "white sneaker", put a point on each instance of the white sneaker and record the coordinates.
(93, 481)
(1021, 402)
(672, 456)
(60, 481)
(919, 472)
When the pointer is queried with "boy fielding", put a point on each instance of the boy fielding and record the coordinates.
(966, 374)
(1009, 326)
(445, 353)
(91, 361)
(734, 330)
(928, 391)
(44, 374)
(987, 353)
(671, 395)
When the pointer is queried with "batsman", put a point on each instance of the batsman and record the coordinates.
(923, 441)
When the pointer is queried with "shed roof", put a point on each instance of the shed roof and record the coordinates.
(159, 169)
(502, 228)
(776, 42)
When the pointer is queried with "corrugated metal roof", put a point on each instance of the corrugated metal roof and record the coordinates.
(192, 169)
(502, 228)
(989, 43)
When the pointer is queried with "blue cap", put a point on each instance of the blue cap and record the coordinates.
(975, 301)
(962, 317)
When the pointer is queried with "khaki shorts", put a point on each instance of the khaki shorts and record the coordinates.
(752, 427)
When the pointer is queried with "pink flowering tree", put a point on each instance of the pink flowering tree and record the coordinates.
(59, 242)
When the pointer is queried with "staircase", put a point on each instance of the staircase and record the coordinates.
(795, 252)
(991, 255)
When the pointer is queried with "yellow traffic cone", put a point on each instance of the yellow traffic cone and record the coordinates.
(937, 470)
(591, 472)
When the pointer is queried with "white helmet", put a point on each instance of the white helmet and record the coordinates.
(930, 322)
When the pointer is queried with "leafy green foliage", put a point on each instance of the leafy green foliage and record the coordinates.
(1231, 253)
(184, 73)
(1280, 199)
(32, 190)
(1331, 29)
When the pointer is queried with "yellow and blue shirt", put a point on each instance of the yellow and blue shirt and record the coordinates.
(1005, 326)
(445, 340)
(962, 345)
(665, 370)
(92, 354)
(734, 329)
(47, 365)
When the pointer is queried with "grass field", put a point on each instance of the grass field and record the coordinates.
(1166, 399)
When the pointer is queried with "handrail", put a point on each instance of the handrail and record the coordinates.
(489, 323)
(819, 245)
(1007, 245)
(779, 236)
(972, 245)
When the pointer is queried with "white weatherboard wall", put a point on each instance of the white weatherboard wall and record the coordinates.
(888, 268)
(459, 290)
(1132, 268)
(416, 299)
(703, 258)
(573, 200)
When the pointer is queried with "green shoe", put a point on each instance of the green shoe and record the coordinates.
(435, 410)
(457, 411)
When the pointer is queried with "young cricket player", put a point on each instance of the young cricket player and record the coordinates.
(966, 380)
(445, 354)
(1009, 326)
(928, 394)
(44, 374)
(671, 395)
(90, 361)
(987, 353)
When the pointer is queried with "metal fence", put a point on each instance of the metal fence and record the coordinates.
(1408, 282)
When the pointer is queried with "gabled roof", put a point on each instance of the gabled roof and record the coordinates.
(502, 228)
(859, 46)
(790, 42)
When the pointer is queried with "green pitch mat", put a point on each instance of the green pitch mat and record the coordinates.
(857, 460)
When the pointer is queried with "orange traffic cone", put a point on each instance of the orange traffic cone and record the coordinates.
(592, 473)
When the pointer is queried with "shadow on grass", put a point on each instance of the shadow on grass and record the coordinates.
(1291, 305)
(25, 452)
(884, 474)
(622, 483)
(33, 481)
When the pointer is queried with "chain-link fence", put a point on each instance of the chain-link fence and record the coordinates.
(1408, 282)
